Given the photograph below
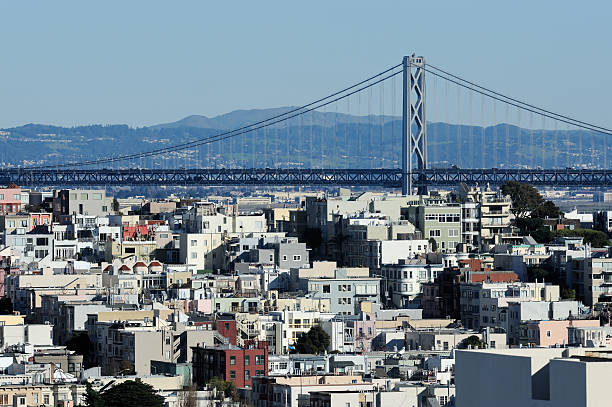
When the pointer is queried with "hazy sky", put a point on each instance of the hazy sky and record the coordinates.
(148, 62)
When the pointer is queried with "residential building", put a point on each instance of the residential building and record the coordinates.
(10, 200)
(438, 221)
(81, 201)
(402, 282)
(543, 377)
(591, 277)
(228, 362)
(345, 293)
(447, 339)
(288, 391)
(206, 251)
(473, 295)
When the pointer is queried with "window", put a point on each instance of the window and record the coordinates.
(84, 197)
(284, 257)
(46, 399)
(233, 374)
(194, 255)
(434, 233)
(297, 257)
(259, 359)
(17, 197)
(453, 232)
(194, 243)
(105, 208)
(326, 288)
(247, 360)
(247, 375)
(260, 372)
(232, 360)
(548, 334)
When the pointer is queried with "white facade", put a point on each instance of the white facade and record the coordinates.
(403, 282)
(537, 377)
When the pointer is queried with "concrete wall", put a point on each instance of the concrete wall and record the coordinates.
(537, 377)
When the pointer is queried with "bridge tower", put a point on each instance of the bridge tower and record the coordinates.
(414, 126)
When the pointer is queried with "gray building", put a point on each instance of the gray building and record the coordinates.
(32, 246)
(81, 202)
(283, 252)
(441, 222)
(345, 293)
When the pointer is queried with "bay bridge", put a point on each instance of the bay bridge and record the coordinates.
(505, 140)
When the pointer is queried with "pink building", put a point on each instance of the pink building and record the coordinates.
(10, 199)
(551, 333)
(37, 219)
(203, 306)
(364, 331)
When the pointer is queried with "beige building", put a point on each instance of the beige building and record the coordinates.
(591, 278)
(132, 345)
(287, 390)
(206, 251)
(26, 290)
(140, 250)
(286, 301)
(447, 339)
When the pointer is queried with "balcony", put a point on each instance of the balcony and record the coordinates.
(496, 213)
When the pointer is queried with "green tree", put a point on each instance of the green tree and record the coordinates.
(528, 203)
(115, 205)
(525, 198)
(316, 341)
(473, 341)
(128, 393)
(225, 388)
(92, 397)
(595, 238)
(568, 294)
(538, 273)
(547, 210)
(434, 244)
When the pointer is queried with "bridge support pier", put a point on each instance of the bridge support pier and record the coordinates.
(414, 126)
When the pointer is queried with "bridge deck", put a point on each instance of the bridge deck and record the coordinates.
(385, 178)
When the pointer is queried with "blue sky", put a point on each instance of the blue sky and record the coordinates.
(148, 62)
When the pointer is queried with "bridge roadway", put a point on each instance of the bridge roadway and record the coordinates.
(384, 178)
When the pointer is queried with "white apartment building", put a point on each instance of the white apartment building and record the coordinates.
(283, 328)
(401, 282)
(480, 303)
(206, 251)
